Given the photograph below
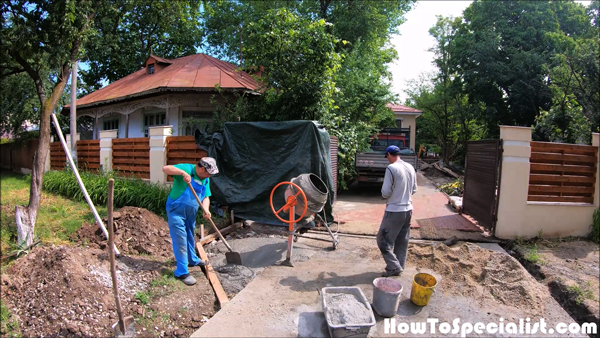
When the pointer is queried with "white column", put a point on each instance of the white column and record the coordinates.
(158, 152)
(68, 139)
(106, 137)
(596, 143)
(47, 162)
(514, 184)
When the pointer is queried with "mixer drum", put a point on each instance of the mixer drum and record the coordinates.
(315, 190)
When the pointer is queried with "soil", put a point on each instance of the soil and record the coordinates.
(137, 231)
(437, 177)
(564, 266)
(345, 308)
(483, 275)
(67, 290)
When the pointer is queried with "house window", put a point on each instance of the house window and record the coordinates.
(151, 68)
(111, 124)
(399, 123)
(151, 120)
(192, 119)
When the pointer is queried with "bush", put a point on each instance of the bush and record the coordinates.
(595, 234)
(453, 189)
(128, 191)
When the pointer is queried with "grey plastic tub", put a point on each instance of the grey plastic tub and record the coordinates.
(353, 330)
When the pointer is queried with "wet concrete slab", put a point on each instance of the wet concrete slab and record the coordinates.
(286, 302)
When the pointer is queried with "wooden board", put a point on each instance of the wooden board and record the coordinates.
(209, 238)
(212, 276)
(567, 199)
(547, 147)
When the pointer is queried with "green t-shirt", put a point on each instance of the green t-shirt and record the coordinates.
(179, 184)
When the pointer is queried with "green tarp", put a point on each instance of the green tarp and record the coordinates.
(253, 157)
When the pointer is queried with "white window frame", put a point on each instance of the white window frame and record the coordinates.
(202, 110)
(155, 115)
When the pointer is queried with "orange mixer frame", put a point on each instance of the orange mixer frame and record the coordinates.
(290, 207)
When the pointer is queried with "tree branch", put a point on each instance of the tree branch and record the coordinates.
(13, 72)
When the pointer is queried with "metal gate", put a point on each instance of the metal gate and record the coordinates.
(482, 181)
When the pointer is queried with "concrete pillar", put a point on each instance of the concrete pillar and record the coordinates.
(596, 143)
(158, 152)
(68, 139)
(514, 184)
(106, 137)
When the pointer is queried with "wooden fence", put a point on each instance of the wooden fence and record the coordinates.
(183, 149)
(58, 158)
(131, 157)
(88, 155)
(562, 172)
(17, 156)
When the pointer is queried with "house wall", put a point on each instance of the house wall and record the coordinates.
(136, 122)
(409, 120)
(519, 218)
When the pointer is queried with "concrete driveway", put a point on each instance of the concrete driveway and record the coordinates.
(285, 302)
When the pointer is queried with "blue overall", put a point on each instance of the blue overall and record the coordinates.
(181, 214)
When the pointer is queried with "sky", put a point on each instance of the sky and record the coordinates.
(414, 41)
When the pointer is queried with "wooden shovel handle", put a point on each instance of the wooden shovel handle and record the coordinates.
(210, 219)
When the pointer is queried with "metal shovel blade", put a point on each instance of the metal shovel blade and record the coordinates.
(233, 257)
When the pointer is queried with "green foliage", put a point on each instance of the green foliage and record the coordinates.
(454, 188)
(143, 297)
(532, 255)
(582, 293)
(126, 32)
(9, 326)
(127, 192)
(595, 233)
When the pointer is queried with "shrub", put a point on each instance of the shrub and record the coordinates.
(453, 189)
(128, 191)
(595, 234)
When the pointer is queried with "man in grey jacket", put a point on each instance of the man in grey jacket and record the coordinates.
(399, 184)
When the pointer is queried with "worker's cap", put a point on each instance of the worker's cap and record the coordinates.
(394, 150)
(209, 164)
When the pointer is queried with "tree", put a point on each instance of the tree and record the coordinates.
(42, 39)
(19, 103)
(127, 31)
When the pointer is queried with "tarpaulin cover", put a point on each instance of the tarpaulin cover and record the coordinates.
(253, 157)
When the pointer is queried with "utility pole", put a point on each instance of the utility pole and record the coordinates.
(73, 111)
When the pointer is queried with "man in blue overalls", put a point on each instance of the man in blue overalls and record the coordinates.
(182, 209)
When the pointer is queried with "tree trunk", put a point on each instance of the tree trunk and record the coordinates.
(26, 217)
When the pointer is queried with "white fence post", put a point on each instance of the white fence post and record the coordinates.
(158, 152)
(106, 137)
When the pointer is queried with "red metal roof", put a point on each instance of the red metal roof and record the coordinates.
(193, 72)
(398, 108)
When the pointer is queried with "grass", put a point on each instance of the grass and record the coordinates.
(532, 255)
(143, 297)
(8, 327)
(58, 217)
(582, 293)
(167, 280)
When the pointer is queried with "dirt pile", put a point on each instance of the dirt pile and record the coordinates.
(137, 231)
(66, 291)
(481, 274)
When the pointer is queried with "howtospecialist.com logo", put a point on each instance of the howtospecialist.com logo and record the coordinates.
(523, 327)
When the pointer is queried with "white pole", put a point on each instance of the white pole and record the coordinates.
(74, 111)
(76, 172)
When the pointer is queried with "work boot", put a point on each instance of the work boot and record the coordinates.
(187, 279)
(390, 273)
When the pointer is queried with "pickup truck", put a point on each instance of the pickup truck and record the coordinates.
(371, 165)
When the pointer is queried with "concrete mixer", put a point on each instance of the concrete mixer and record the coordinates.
(305, 196)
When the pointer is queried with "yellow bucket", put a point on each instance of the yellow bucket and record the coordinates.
(423, 286)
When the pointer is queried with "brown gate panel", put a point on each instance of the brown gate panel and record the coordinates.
(482, 173)
(131, 157)
(183, 149)
(88, 155)
(58, 158)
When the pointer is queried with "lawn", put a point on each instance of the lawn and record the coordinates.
(58, 217)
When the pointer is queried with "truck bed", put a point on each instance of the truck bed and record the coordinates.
(371, 165)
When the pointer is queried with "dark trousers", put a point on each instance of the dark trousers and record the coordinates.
(392, 239)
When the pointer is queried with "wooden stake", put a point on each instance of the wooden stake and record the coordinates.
(111, 241)
(212, 276)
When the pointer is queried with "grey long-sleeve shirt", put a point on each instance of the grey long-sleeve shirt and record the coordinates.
(399, 184)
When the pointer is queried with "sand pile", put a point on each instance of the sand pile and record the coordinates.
(343, 308)
(482, 274)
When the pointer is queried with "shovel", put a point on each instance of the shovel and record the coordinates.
(125, 327)
(232, 257)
